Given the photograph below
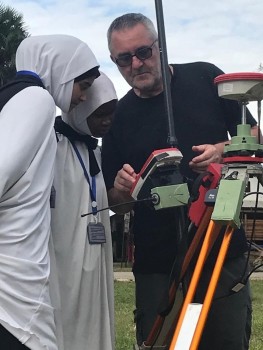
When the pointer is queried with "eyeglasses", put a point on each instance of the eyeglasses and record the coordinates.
(142, 53)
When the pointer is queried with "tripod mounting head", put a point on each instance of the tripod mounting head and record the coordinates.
(242, 87)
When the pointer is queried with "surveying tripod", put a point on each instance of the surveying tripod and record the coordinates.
(225, 186)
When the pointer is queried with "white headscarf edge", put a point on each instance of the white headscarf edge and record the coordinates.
(101, 91)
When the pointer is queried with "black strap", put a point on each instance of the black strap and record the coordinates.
(63, 128)
(198, 182)
(19, 83)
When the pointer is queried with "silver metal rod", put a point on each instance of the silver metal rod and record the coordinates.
(243, 112)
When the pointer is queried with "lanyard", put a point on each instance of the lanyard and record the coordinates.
(92, 186)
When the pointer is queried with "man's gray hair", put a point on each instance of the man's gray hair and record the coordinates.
(130, 20)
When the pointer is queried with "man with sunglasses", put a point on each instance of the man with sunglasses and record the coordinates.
(202, 122)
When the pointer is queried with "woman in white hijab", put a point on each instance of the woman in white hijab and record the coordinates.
(83, 247)
(52, 70)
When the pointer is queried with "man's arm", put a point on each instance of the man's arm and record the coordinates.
(213, 153)
(117, 197)
(207, 154)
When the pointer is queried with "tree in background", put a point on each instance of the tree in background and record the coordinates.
(12, 32)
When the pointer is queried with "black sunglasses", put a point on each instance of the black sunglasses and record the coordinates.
(142, 53)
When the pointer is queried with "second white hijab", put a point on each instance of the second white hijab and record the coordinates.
(101, 91)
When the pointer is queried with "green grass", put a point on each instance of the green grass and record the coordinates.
(124, 306)
(256, 342)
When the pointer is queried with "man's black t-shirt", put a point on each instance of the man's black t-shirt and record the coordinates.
(140, 127)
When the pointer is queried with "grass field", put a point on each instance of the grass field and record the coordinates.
(124, 306)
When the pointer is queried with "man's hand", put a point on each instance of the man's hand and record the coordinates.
(207, 154)
(120, 193)
(125, 178)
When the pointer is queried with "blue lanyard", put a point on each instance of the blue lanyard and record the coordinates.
(92, 186)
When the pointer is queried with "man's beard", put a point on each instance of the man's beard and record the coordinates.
(147, 85)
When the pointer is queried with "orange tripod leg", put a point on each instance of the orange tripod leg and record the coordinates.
(209, 239)
(200, 233)
(211, 288)
(188, 257)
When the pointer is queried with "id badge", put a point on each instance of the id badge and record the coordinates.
(96, 233)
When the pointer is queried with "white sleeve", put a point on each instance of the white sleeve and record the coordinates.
(25, 121)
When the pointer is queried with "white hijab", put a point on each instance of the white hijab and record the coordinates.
(57, 60)
(85, 270)
(101, 91)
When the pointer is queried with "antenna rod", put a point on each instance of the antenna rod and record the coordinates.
(166, 74)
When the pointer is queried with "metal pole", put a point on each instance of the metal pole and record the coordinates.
(243, 111)
(166, 74)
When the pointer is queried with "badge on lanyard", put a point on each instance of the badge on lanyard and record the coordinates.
(96, 233)
(95, 230)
